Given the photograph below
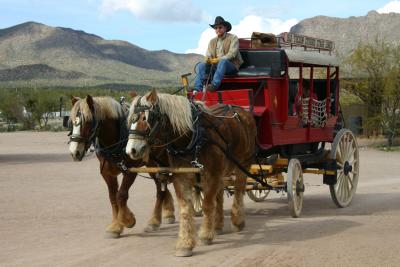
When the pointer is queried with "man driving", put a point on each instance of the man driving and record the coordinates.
(222, 56)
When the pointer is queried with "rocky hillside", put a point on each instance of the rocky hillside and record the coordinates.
(348, 32)
(66, 57)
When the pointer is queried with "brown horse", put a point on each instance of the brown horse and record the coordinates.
(102, 120)
(218, 141)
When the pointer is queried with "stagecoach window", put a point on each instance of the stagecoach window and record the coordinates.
(300, 101)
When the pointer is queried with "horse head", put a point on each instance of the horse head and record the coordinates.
(142, 115)
(155, 120)
(83, 126)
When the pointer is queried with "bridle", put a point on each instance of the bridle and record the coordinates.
(74, 137)
(153, 116)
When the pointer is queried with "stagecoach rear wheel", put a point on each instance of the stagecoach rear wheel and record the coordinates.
(197, 202)
(258, 195)
(295, 187)
(345, 152)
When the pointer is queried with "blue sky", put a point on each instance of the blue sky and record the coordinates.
(178, 25)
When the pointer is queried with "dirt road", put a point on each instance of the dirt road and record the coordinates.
(53, 212)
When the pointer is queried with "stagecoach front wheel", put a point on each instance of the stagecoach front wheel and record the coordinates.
(295, 187)
(258, 195)
(197, 198)
(345, 152)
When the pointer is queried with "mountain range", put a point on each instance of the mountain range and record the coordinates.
(58, 56)
(33, 53)
(349, 32)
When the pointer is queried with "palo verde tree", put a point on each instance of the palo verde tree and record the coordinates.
(370, 64)
(376, 81)
(391, 99)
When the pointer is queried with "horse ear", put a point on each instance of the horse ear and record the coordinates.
(133, 94)
(152, 97)
(89, 101)
(74, 99)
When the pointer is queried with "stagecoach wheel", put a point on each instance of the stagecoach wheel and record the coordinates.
(295, 187)
(345, 151)
(258, 195)
(197, 202)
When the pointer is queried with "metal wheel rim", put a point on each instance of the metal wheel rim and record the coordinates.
(295, 198)
(258, 195)
(345, 152)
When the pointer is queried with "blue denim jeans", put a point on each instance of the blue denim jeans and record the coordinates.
(223, 67)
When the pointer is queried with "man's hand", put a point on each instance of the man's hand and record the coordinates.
(214, 60)
(207, 60)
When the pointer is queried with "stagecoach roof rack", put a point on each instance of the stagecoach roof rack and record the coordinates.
(298, 48)
(287, 40)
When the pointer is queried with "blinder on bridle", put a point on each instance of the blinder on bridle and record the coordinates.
(67, 123)
(154, 115)
(73, 137)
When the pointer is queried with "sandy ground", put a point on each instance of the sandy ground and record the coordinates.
(53, 212)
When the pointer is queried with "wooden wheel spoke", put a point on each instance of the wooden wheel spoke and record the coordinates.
(340, 165)
(345, 149)
(350, 180)
(340, 184)
(342, 151)
(339, 157)
(348, 151)
(353, 149)
(346, 186)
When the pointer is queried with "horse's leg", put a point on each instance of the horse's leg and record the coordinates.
(211, 186)
(186, 237)
(155, 220)
(125, 215)
(219, 212)
(237, 212)
(114, 229)
(168, 207)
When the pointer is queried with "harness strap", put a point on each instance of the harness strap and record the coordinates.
(197, 135)
(244, 170)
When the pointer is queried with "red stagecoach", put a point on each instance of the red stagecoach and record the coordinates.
(290, 83)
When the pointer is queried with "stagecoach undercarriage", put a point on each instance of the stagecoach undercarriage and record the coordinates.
(339, 167)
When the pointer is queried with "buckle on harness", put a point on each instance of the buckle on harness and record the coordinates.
(122, 166)
(195, 163)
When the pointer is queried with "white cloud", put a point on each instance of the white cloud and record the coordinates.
(159, 10)
(392, 6)
(246, 26)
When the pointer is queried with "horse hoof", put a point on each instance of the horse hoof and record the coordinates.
(131, 225)
(169, 220)
(219, 231)
(206, 241)
(238, 228)
(151, 228)
(187, 252)
(111, 235)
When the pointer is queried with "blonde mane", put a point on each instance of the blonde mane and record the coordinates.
(104, 108)
(178, 109)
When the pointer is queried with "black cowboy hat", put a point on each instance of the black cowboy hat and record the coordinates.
(220, 21)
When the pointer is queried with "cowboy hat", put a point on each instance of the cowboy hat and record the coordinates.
(220, 21)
